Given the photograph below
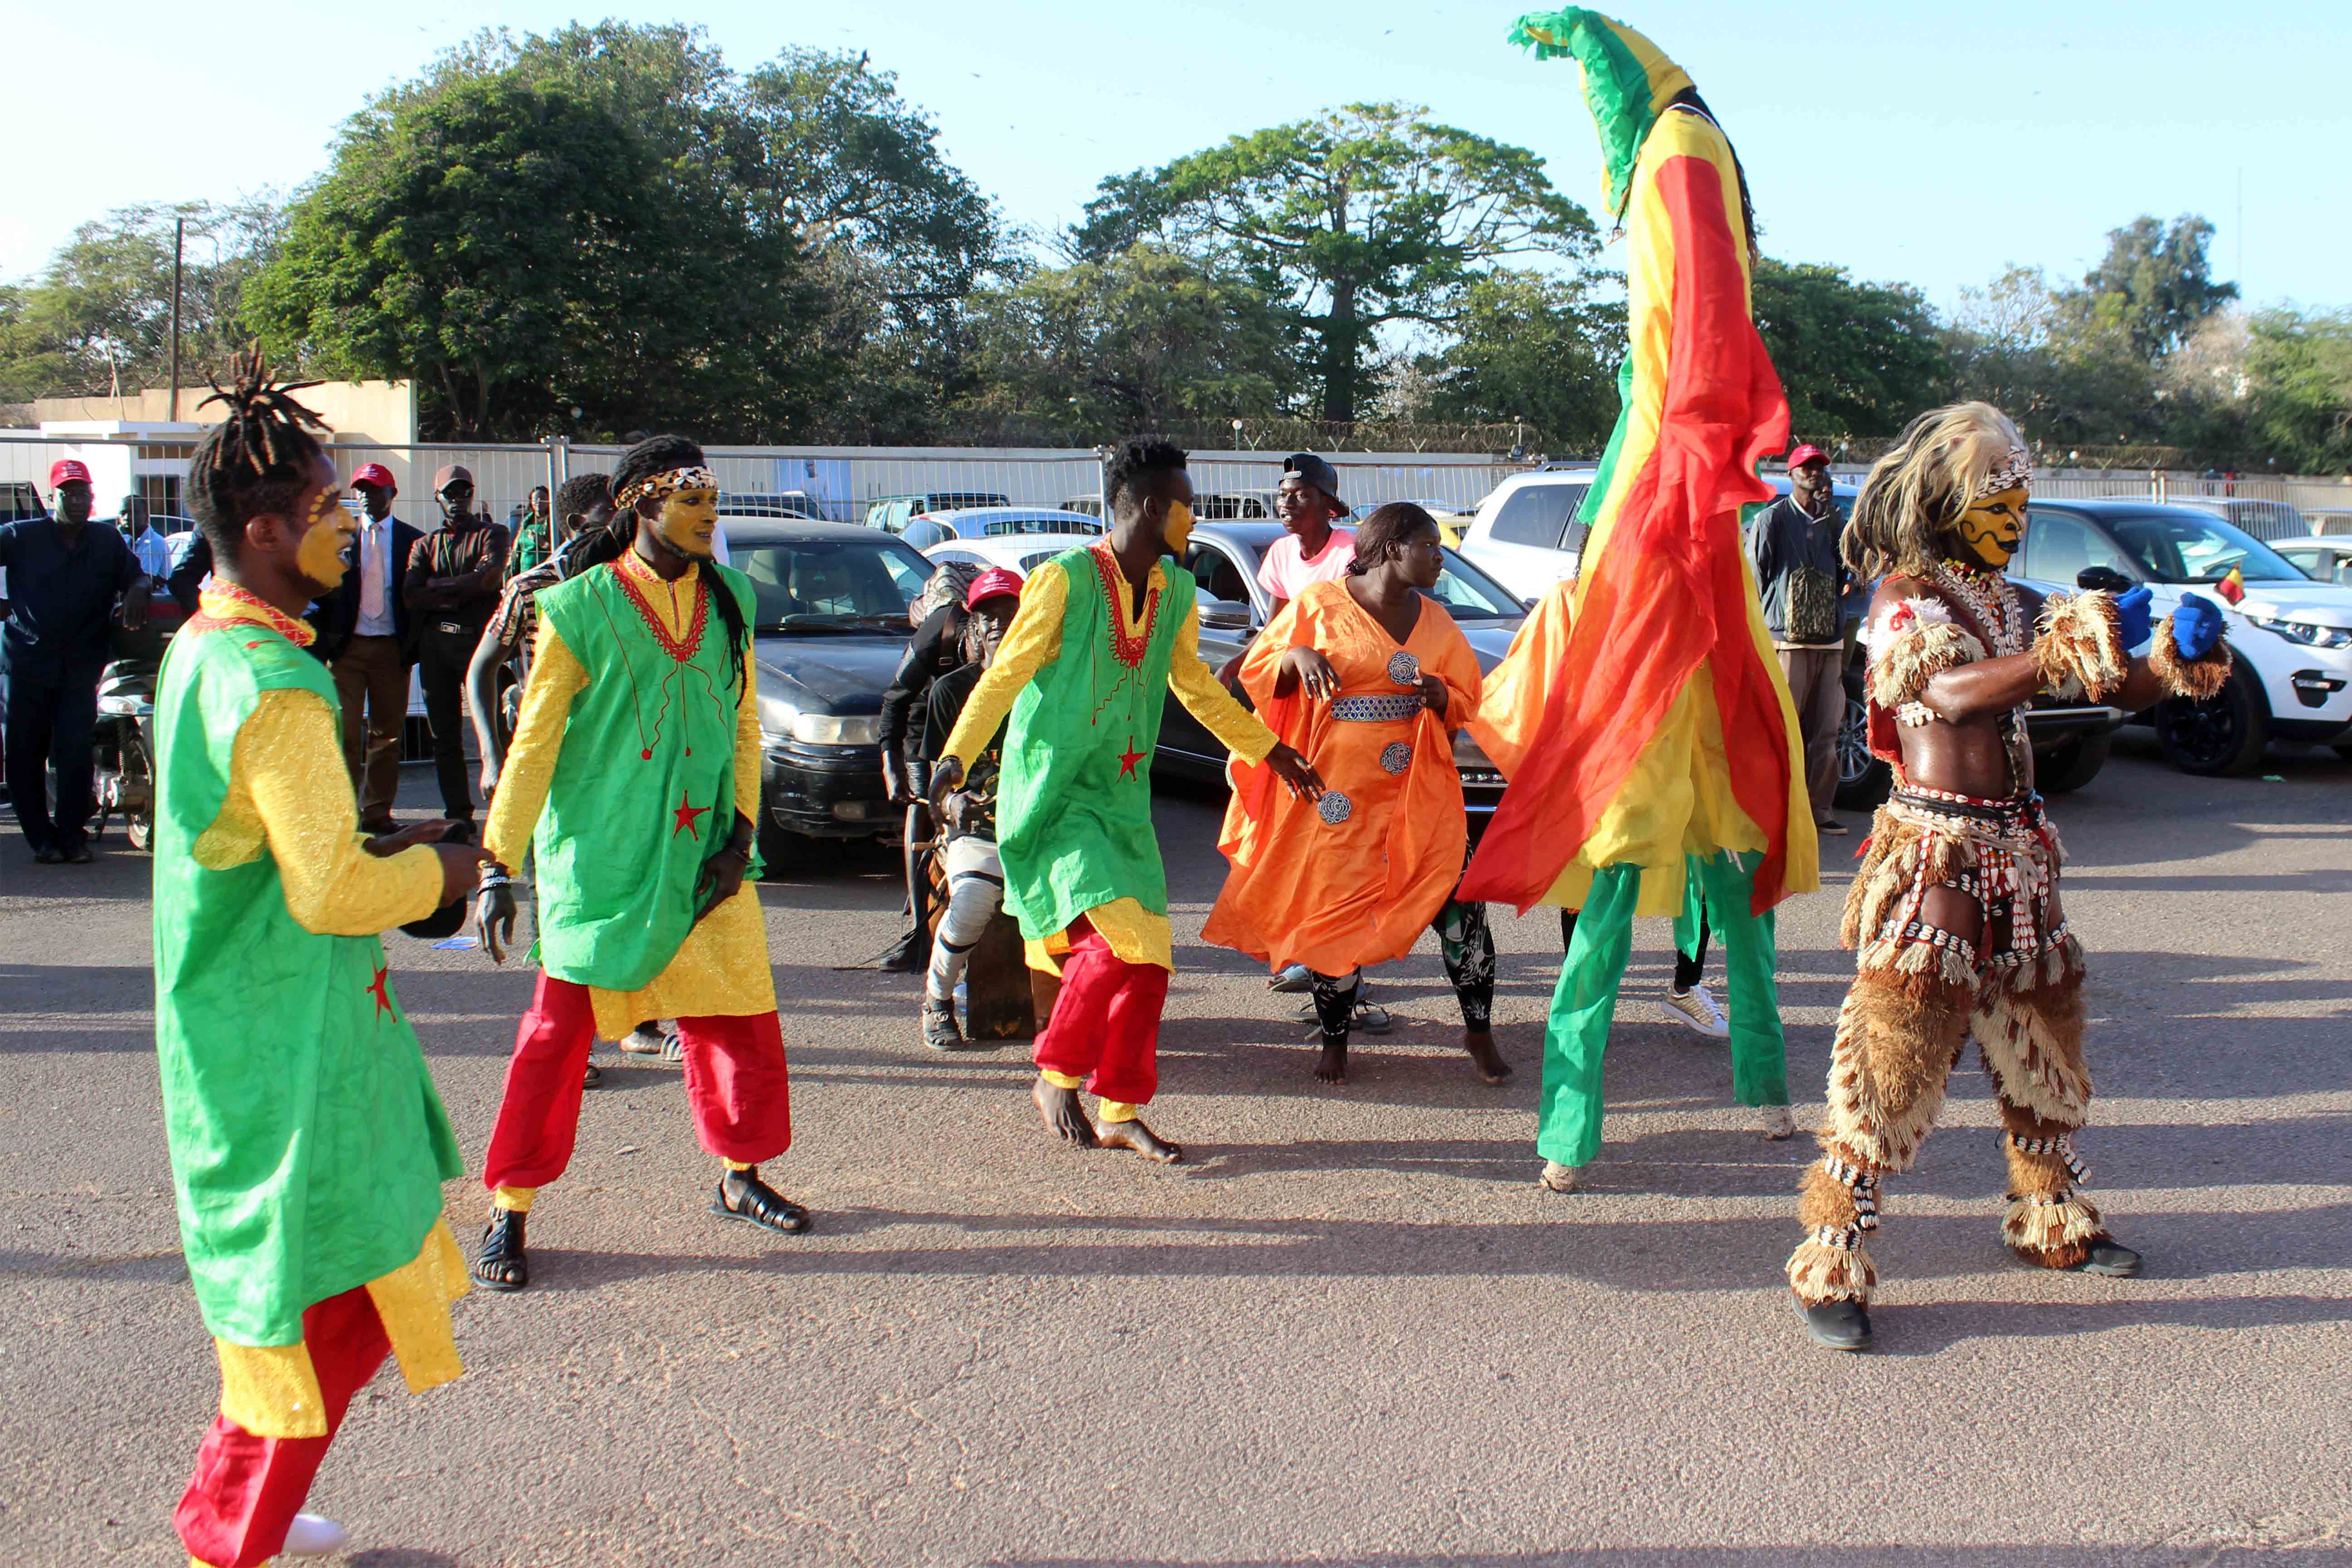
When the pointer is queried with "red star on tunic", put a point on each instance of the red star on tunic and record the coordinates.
(689, 817)
(1127, 758)
(376, 989)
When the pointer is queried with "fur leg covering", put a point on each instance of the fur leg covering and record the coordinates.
(2049, 1222)
(2199, 680)
(1900, 857)
(2032, 1039)
(2080, 649)
(1832, 1263)
(1898, 1036)
(1822, 1271)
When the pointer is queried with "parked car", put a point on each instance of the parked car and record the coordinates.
(2321, 560)
(20, 499)
(1224, 559)
(1089, 504)
(775, 503)
(1524, 534)
(892, 513)
(2290, 638)
(2266, 519)
(829, 627)
(932, 528)
(1232, 506)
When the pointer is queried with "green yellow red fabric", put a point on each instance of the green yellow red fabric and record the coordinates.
(1666, 632)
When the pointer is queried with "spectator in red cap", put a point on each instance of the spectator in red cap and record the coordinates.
(63, 580)
(1793, 546)
(975, 876)
(371, 644)
(452, 587)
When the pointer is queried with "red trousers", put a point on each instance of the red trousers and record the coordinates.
(1105, 1021)
(736, 1085)
(247, 1489)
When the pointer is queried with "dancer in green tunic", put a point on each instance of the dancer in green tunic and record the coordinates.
(1102, 634)
(307, 1144)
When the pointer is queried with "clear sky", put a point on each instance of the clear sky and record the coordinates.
(1931, 145)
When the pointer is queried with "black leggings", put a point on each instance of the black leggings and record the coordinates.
(1468, 943)
(1686, 969)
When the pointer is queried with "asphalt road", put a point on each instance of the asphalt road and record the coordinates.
(1351, 1331)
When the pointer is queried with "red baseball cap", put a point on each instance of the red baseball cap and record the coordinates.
(996, 582)
(375, 474)
(67, 471)
(1808, 453)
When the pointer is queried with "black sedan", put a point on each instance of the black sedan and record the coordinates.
(831, 625)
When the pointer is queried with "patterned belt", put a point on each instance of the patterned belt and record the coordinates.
(1376, 709)
(2021, 811)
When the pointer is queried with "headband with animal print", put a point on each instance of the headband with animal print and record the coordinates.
(658, 486)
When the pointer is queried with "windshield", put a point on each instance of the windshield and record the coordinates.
(817, 586)
(1469, 594)
(2191, 548)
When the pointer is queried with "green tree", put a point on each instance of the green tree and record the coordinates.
(2068, 377)
(2299, 389)
(1532, 346)
(565, 225)
(2155, 284)
(1855, 359)
(98, 318)
(1368, 215)
(1142, 340)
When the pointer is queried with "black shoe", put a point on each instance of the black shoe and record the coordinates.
(79, 855)
(939, 1030)
(48, 855)
(2110, 1259)
(756, 1203)
(500, 1264)
(1842, 1325)
(461, 831)
(910, 956)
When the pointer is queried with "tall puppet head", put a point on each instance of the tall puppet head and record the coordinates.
(1628, 83)
(1954, 487)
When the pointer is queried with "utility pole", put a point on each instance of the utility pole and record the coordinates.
(179, 245)
(2241, 235)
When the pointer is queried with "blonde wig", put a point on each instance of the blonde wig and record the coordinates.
(1912, 502)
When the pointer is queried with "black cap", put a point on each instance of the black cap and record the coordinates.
(1315, 471)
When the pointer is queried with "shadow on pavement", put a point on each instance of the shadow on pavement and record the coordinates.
(1875, 1554)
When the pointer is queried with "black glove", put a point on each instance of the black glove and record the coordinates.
(494, 911)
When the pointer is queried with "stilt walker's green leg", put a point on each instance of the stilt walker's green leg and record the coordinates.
(1759, 1053)
(1568, 1125)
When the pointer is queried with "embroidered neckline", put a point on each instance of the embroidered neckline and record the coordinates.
(679, 648)
(226, 601)
(1126, 647)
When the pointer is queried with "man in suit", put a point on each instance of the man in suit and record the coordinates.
(373, 660)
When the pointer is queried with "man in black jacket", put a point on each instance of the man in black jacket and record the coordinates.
(452, 587)
(1793, 546)
(365, 623)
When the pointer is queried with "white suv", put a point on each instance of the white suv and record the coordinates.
(1525, 533)
(2292, 637)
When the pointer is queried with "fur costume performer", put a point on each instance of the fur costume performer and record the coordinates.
(1955, 912)
(1642, 716)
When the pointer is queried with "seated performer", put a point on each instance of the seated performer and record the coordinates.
(1648, 736)
(635, 780)
(307, 1144)
(975, 876)
(1103, 634)
(1370, 677)
(1954, 908)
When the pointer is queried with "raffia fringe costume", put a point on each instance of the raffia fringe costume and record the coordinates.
(1922, 990)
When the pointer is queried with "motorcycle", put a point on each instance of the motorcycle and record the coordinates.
(123, 745)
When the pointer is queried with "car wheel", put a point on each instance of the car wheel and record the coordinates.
(2071, 763)
(2221, 737)
(1863, 781)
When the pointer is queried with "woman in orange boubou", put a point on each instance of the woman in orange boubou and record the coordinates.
(1369, 678)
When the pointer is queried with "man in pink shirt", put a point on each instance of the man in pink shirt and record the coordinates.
(1312, 550)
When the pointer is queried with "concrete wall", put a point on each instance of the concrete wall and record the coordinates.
(376, 412)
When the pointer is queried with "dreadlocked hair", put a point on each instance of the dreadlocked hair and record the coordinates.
(1914, 497)
(259, 459)
(1380, 537)
(1137, 470)
(659, 454)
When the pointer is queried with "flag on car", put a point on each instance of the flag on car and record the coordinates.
(2233, 586)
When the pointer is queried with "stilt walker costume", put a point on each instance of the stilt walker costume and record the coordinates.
(1083, 673)
(635, 780)
(1955, 909)
(307, 1144)
(1641, 717)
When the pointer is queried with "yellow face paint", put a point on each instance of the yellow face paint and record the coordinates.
(1993, 524)
(327, 528)
(687, 521)
(1178, 531)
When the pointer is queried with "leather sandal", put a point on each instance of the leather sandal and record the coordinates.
(501, 1265)
(761, 1205)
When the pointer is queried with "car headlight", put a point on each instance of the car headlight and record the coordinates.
(829, 730)
(2305, 633)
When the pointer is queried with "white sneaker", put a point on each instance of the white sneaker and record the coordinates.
(312, 1536)
(1696, 1009)
(1776, 1122)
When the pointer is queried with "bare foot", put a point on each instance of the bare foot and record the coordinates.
(1480, 1044)
(1064, 1114)
(1333, 1066)
(1133, 1134)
